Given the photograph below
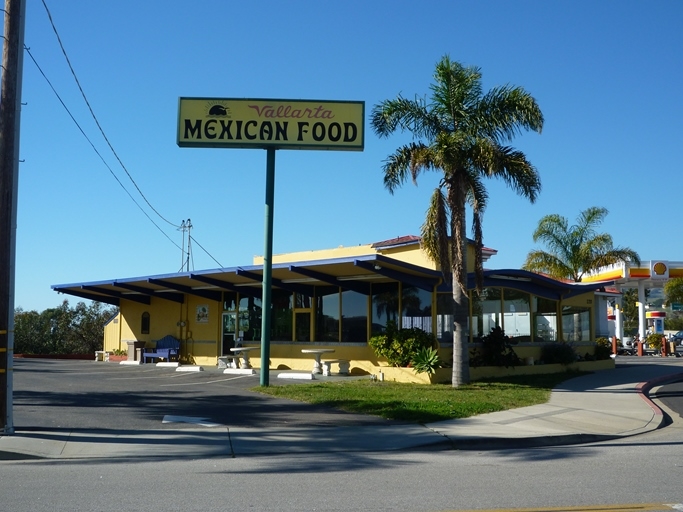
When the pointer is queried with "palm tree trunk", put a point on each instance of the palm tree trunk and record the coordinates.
(461, 355)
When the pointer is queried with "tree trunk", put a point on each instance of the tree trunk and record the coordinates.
(461, 355)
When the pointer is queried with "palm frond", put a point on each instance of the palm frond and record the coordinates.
(404, 161)
(434, 232)
(505, 111)
(404, 114)
(546, 263)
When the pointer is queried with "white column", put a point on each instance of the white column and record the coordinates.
(618, 324)
(642, 323)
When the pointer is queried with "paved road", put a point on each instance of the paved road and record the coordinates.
(87, 395)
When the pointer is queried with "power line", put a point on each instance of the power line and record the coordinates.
(28, 51)
(92, 113)
(207, 252)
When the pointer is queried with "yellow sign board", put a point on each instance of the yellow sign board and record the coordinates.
(263, 123)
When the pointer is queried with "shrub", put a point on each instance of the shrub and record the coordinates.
(603, 349)
(496, 350)
(603, 342)
(558, 353)
(426, 361)
(400, 346)
(654, 341)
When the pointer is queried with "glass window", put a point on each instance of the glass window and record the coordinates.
(545, 319)
(303, 326)
(444, 317)
(516, 314)
(327, 319)
(302, 301)
(354, 326)
(281, 316)
(486, 311)
(576, 324)
(416, 306)
(229, 301)
(144, 323)
(250, 318)
(384, 306)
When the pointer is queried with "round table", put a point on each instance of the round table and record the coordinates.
(317, 352)
(244, 352)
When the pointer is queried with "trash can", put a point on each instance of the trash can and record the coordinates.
(133, 346)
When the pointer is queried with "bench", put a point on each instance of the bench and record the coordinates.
(344, 365)
(166, 348)
(101, 355)
(226, 361)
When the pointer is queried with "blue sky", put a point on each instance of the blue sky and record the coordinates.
(607, 75)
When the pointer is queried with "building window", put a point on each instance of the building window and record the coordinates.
(281, 326)
(576, 324)
(327, 314)
(416, 308)
(486, 312)
(445, 305)
(545, 319)
(229, 301)
(144, 323)
(516, 316)
(354, 324)
(384, 306)
(250, 317)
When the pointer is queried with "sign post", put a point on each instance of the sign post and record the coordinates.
(270, 125)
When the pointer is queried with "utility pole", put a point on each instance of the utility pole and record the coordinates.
(10, 108)
(186, 226)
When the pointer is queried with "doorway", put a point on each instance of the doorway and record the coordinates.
(229, 326)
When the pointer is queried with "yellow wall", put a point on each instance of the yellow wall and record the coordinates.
(199, 339)
(323, 254)
(409, 253)
(112, 335)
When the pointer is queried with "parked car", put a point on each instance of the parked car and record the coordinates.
(677, 338)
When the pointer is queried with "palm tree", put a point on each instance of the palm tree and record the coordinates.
(574, 251)
(460, 132)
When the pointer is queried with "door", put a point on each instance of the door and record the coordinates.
(229, 325)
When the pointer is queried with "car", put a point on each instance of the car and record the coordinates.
(677, 338)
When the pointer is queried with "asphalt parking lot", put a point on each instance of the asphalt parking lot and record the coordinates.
(62, 394)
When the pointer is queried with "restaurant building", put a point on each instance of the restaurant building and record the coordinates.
(337, 299)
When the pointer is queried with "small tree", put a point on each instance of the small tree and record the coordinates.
(673, 290)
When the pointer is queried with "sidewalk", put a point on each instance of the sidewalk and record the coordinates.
(601, 406)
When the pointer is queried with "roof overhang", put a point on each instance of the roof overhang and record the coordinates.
(533, 283)
(350, 273)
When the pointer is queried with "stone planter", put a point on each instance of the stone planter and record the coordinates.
(443, 375)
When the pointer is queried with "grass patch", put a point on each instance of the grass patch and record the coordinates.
(425, 403)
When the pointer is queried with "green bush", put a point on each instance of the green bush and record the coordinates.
(603, 349)
(603, 342)
(400, 346)
(496, 350)
(602, 352)
(654, 341)
(426, 361)
(558, 353)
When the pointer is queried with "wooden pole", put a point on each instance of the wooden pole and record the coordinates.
(10, 106)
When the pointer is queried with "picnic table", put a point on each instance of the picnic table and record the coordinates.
(317, 352)
(244, 353)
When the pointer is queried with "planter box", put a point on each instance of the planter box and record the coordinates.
(408, 375)
(443, 375)
(484, 372)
